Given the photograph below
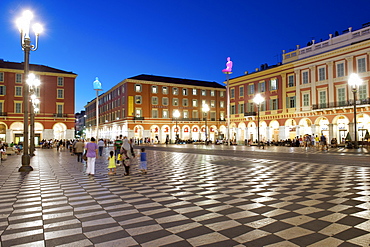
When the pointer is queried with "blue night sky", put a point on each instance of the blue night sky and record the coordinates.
(189, 39)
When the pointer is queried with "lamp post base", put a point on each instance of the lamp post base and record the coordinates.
(25, 164)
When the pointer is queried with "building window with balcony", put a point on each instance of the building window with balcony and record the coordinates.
(60, 93)
(165, 101)
(1, 76)
(60, 82)
(18, 90)
(213, 94)
(362, 92)
(305, 77)
(164, 90)
(195, 102)
(17, 107)
(138, 99)
(341, 96)
(2, 113)
(241, 91)
(194, 91)
(232, 109)
(138, 88)
(185, 114)
(251, 89)
(241, 108)
(222, 94)
(175, 91)
(154, 89)
(340, 69)
(361, 65)
(175, 102)
(154, 100)
(204, 93)
(137, 112)
(203, 102)
(322, 99)
(222, 116)
(322, 74)
(59, 109)
(290, 103)
(185, 102)
(185, 91)
(213, 104)
(195, 114)
(274, 104)
(306, 99)
(261, 86)
(273, 84)
(250, 106)
(18, 78)
(165, 113)
(291, 82)
(222, 104)
(154, 113)
(232, 93)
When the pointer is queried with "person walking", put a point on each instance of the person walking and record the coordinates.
(143, 162)
(91, 153)
(101, 146)
(79, 149)
(128, 154)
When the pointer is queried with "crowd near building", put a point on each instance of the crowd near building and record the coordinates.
(55, 116)
(308, 93)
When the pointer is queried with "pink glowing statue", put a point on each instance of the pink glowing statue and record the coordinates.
(229, 66)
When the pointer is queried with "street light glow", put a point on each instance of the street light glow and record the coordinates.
(354, 80)
(258, 99)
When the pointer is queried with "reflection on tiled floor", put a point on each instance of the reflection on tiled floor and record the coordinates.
(184, 200)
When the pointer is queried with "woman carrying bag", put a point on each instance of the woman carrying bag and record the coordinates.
(91, 154)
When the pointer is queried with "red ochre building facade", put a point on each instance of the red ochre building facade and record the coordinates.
(55, 119)
(142, 107)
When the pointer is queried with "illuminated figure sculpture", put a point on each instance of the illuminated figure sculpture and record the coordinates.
(97, 84)
(229, 66)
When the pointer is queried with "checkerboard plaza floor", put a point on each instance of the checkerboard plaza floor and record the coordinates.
(184, 200)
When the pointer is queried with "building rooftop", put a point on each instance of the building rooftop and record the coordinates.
(173, 80)
(33, 67)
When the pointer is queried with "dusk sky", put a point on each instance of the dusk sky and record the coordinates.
(117, 39)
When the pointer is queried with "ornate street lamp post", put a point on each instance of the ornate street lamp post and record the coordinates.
(24, 24)
(258, 99)
(354, 81)
(33, 84)
(205, 109)
(176, 115)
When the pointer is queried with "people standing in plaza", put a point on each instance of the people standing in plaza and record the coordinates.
(101, 146)
(91, 153)
(143, 162)
(128, 154)
(79, 149)
(117, 145)
(111, 163)
(323, 142)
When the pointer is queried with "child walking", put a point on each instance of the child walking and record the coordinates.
(143, 163)
(111, 163)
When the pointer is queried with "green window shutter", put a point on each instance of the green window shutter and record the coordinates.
(287, 102)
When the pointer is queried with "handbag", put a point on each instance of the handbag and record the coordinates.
(84, 157)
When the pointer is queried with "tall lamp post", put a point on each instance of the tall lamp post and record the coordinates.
(33, 83)
(24, 24)
(176, 115)
(97, 88)
(258, 99)
(205, 109)
(354, 81)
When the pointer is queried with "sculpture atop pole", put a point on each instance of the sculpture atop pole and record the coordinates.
(228, 71)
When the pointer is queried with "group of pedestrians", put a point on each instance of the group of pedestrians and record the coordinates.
(123, 154)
